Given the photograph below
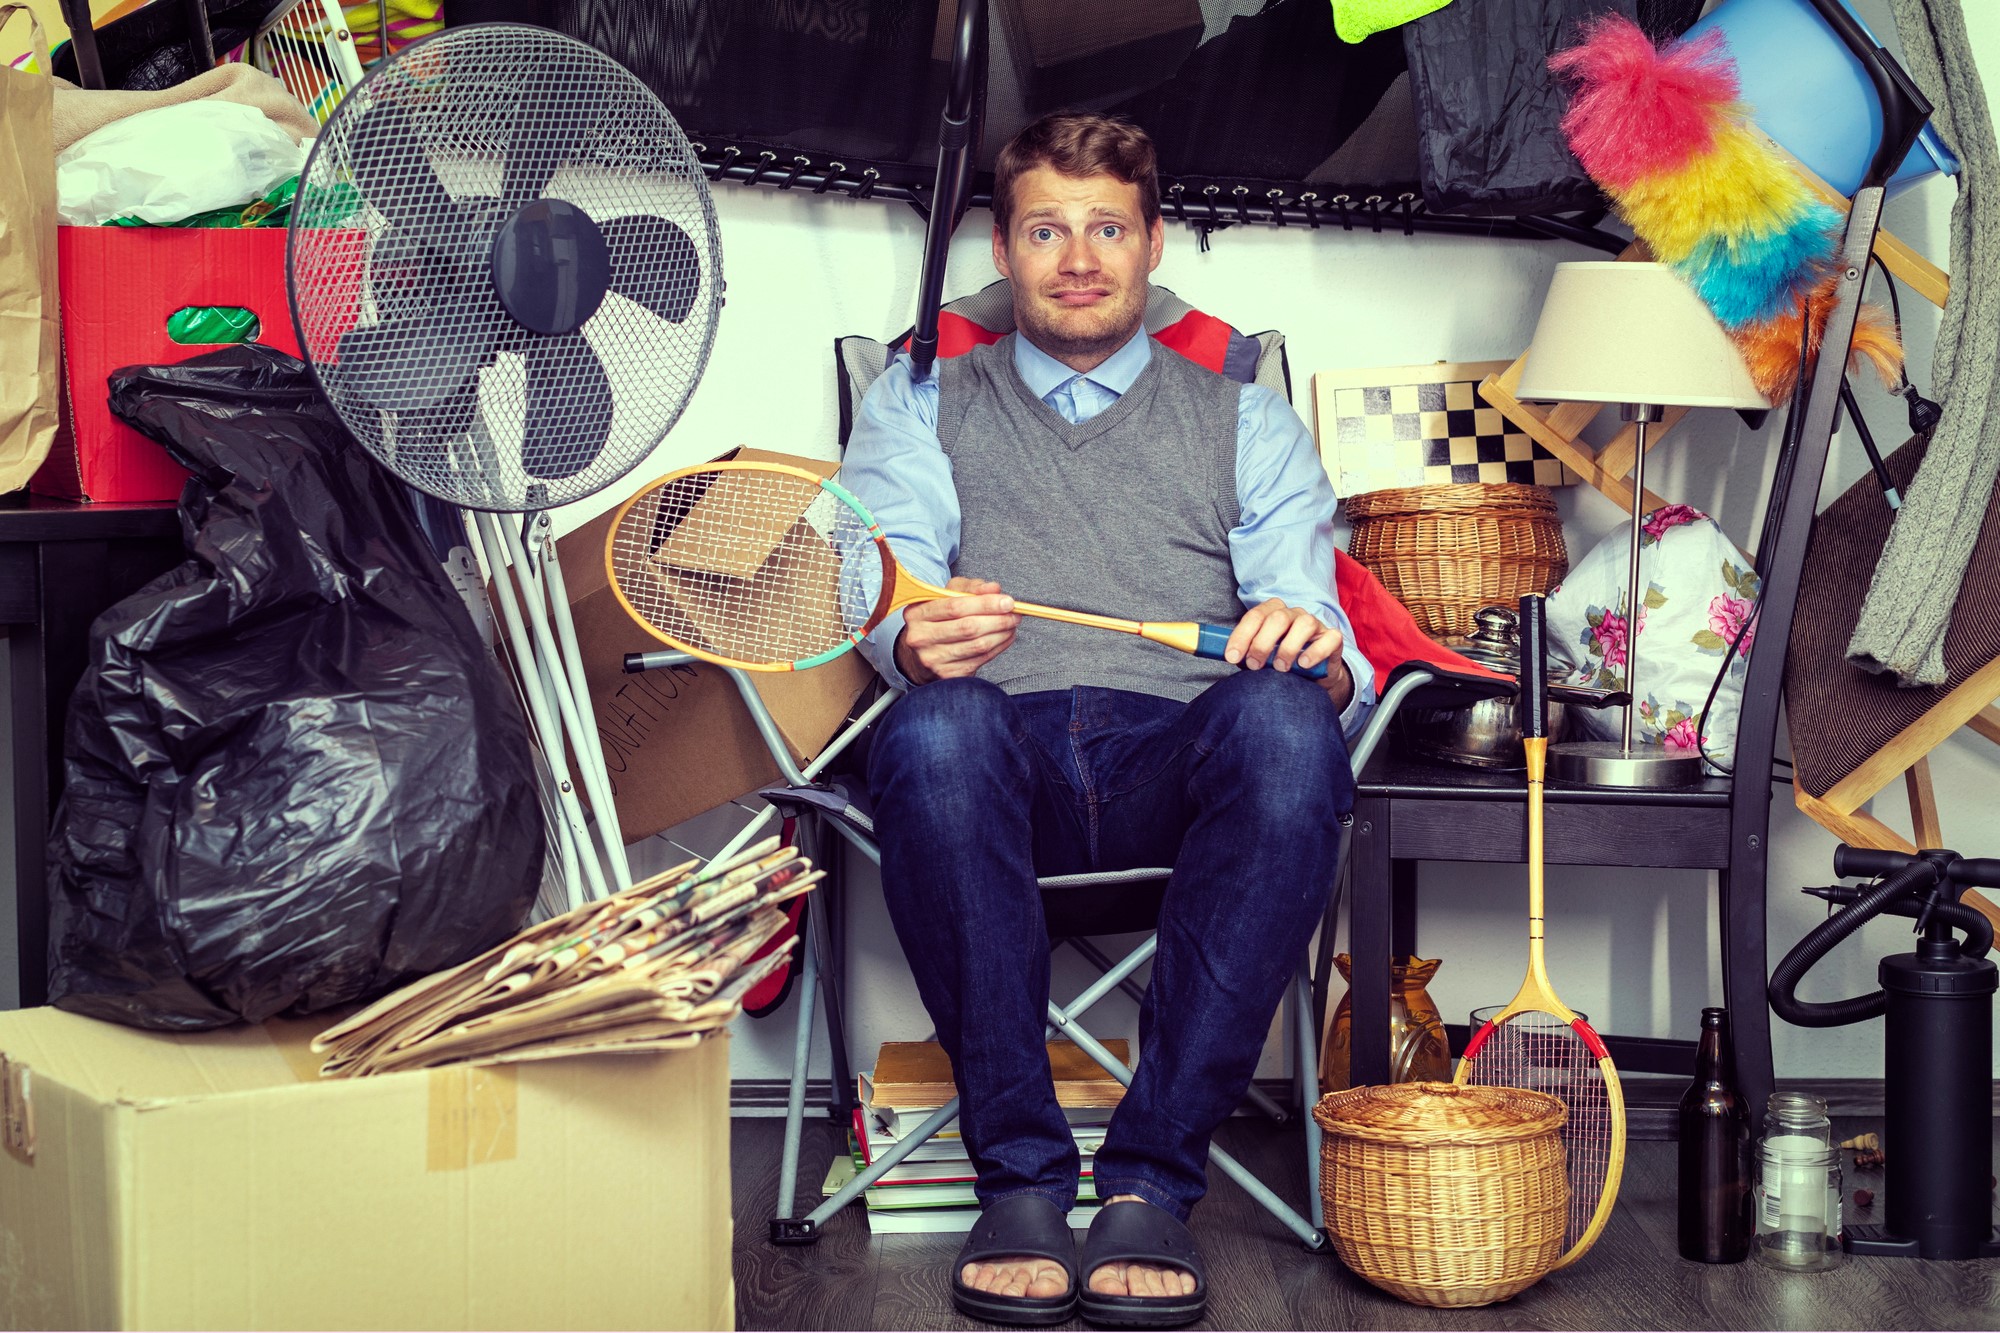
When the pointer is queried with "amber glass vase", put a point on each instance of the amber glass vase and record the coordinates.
(1418, 1050)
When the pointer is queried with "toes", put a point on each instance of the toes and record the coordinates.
(1109, 1280)
(1022, 1277)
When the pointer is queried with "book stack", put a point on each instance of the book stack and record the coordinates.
(655, 968)
(931, 1189)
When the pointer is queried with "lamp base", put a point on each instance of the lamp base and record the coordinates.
(1607, 764)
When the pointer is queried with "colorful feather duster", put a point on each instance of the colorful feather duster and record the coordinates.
(1663, 131)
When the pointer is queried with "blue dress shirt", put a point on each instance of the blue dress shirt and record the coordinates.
(1282, 545)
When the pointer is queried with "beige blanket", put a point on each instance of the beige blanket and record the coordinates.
(78, 111)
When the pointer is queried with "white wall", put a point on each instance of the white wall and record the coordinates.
(802, 271)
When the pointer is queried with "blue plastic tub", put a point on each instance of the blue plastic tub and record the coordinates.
(1811, 94)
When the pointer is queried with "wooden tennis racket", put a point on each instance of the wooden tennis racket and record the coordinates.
(1537, 1041)
(774, 568)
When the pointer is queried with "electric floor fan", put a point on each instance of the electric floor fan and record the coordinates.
(505, 273)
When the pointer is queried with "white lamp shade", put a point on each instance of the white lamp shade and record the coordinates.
(1632, 333)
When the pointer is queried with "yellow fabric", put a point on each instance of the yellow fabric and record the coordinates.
(14, 37)
(1739, 190)
(1356, 19)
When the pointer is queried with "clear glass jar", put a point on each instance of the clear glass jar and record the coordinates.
(1798, 1203)
(1790, 1115)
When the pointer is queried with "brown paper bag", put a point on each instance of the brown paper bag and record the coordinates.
(30, 364)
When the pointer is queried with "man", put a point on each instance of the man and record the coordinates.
(1084, 466)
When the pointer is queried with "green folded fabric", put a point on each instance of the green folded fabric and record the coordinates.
(1356, 19)
(208, 324)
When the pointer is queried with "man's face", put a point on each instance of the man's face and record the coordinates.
(1078, 252)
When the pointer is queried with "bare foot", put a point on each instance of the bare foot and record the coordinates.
(1028, 1276)
(1139, 1279)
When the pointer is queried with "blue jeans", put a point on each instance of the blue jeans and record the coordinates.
(977, 792)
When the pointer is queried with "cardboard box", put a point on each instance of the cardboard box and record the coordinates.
(211, 1180)
(119, 285)
(680, 742)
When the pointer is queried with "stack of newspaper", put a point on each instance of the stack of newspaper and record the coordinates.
(654, 968)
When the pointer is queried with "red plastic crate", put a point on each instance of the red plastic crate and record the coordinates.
(119, 285)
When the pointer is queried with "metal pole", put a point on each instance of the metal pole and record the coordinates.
(1641, 414)
(535, 597)
(528, 672)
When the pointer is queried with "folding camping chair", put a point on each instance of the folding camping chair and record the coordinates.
(1409, 669)
(1076, 906)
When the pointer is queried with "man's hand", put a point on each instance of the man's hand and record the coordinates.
(1286, 637)
(955, 636)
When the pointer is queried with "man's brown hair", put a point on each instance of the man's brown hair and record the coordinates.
(1078, 143)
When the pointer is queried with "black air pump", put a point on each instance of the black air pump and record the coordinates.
(1937, 1048)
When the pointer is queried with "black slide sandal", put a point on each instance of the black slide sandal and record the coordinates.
(1139, 1233)
(1019, 1226)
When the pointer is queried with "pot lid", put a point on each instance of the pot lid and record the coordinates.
(1495, 642)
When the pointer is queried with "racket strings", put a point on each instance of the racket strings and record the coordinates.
(758, 567)
(1539, 1052)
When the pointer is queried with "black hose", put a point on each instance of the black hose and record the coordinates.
(1978, 930)
(1820, 941)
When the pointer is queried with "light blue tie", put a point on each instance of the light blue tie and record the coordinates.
(1077, 399)
(1065, 404)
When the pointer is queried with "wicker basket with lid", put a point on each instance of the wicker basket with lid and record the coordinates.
(1446, 551)
(1444, 1195)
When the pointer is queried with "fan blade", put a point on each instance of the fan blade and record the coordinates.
(409, 272)
(385, 152)
(421, 438)
(654, 263)
(409, 365)
(569, 407)
(548, 129)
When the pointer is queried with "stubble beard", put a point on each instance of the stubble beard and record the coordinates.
(1098, 334)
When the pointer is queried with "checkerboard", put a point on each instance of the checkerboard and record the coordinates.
(1422, 426)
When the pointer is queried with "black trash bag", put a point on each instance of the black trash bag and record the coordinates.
(295, 776)
(1489, 111)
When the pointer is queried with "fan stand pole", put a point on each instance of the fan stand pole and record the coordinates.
(596, 771)
(565, 685)
(528, 671)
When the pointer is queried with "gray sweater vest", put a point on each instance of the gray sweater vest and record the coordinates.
(1126, 515)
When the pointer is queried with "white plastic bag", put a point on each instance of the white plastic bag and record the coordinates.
(173, 162)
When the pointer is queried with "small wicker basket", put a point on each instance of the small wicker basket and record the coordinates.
(1444, 1195)
(1446, 551)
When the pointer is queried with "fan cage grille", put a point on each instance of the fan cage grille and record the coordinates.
(390, 257)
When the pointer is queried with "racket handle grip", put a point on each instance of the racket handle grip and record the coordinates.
(1534, 675)
(635, 663)
(1211, 640)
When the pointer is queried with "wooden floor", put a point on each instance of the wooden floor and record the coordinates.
(1261, 1278)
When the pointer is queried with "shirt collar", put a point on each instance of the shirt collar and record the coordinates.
(1043, 374)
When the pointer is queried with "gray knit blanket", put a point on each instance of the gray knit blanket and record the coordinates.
(1916, 585)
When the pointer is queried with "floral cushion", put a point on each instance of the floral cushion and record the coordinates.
(1698, 593)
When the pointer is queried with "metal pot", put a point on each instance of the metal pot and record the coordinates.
(1487, 734)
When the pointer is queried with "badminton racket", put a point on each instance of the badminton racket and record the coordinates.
(774, 568)
(1537, 1041)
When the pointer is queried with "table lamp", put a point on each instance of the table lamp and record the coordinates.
(1638, 336)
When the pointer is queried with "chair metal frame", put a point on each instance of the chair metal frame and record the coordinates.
(822, 971)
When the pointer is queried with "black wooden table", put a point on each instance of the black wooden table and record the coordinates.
(61, 564)
(1408, 810)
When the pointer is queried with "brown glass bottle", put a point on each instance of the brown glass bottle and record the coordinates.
(1715, 1220)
